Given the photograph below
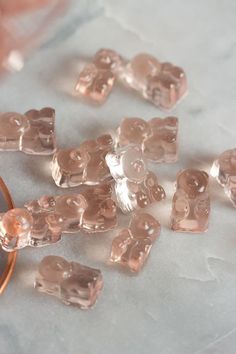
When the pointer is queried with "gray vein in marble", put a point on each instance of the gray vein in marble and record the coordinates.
(125, 26)
(216, 342)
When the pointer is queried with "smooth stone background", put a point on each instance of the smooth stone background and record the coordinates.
(184, 301)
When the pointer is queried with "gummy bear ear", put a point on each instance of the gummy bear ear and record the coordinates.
(8, 260)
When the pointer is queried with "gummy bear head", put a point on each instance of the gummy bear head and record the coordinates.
(227, 162)
(72, 160)
(133, 131)
(15, 228)
(134, 164)
(70, 206)
(107, 59)
(192, 182)
(54, 268)
(128, 163)
(13, 124)
(144, 225)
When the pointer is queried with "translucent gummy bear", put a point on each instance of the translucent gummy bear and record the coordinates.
(101, 212)
(138, 69)
(20, 228)
(224, 170)
(15, 229)
(94, 83)
(132, 245)
(92, 210)
(191, 202)
(43, 221)
(32, 132)
(107, 59)
(157, 137)
(71, 282)
(161, 83)
(135, 186)
(83, 165)
(97, 79)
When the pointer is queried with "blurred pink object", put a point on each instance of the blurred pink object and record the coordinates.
(22, 25)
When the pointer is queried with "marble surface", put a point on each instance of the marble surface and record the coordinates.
(184, 301)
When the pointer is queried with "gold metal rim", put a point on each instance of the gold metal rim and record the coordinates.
(11, 258)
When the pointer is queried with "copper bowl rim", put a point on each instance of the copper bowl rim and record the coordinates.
(11, 257)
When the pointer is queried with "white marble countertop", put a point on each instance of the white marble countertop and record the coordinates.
(184, 301)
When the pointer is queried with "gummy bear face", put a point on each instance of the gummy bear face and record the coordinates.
(133, 131)
(15, 228)
(135, 186)
(134, 164)
(13, 125)
(144, 225)
(73, 160)
(193, 182)
(54, 268)
(70, 206)
(107, 59)
(127, 163)
(227, 162)
(140, 67)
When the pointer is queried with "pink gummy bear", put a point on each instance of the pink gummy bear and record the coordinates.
(135, 186)
(83, 165)
(191, 202)
(43, 221)
(132, 245)
(71, 282)
(97, 79)
(158, 138)
(224, 170)
(31, 133)
(161, 83)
